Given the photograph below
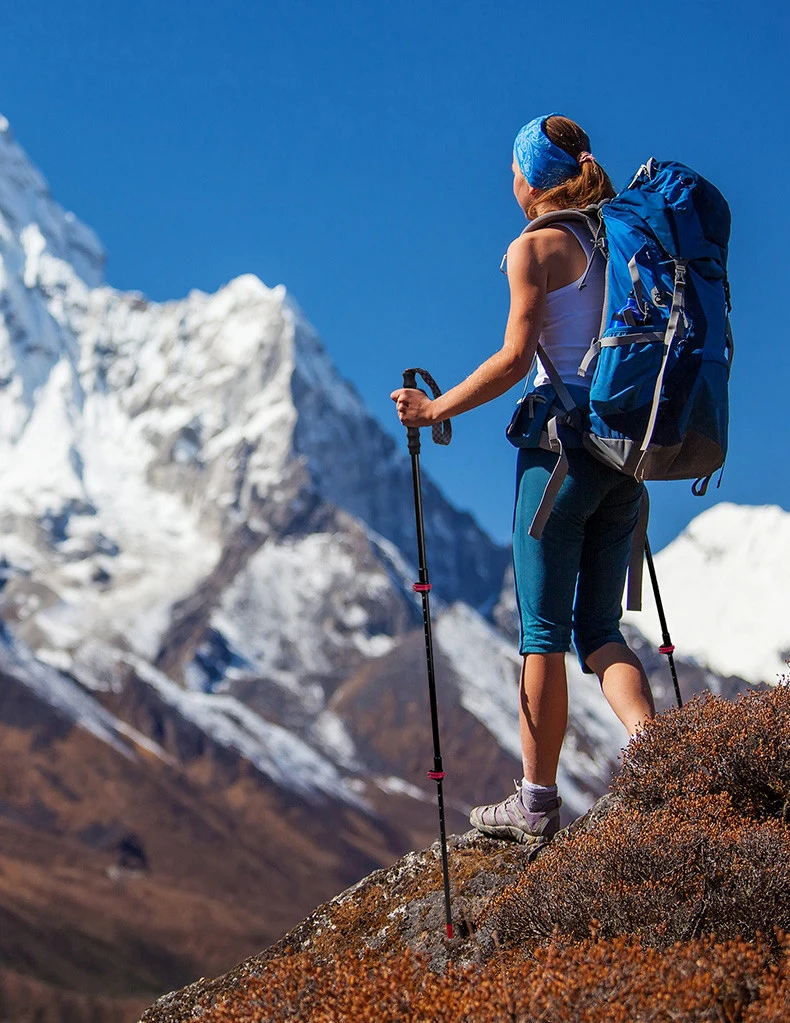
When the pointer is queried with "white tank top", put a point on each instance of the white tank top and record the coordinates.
(573, 318)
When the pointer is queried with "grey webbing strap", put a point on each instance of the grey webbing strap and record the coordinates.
(583, 281)
(599, 243)
(605, 305)
(636, 280)
(648, 169)
(556, 380)
(594, 350)
(556, 480)
(531, 400)
(550, 441)
(678, 297)
(633, 599)
(591, 353)
(643, 338)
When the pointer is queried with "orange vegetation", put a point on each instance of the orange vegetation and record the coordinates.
(673, 904)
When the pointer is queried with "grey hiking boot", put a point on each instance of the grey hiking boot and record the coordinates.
(510, 819)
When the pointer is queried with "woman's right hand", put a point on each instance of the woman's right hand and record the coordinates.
(413, 406)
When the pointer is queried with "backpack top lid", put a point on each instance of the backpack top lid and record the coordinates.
(686, 213)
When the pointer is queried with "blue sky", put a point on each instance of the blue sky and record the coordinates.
(360, 154)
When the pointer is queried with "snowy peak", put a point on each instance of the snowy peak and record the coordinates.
(45, 230)
(724, 585)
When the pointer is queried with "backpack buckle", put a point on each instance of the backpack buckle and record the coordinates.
(574, 420)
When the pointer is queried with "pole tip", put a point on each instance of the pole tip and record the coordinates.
(450, 931)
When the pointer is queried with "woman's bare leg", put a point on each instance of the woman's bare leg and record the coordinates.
(543, 715)
(624, 684)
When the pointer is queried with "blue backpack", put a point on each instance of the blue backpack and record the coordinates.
(660, 366)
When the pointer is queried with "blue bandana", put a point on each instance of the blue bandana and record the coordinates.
(543, 164)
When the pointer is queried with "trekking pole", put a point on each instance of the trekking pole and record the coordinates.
(442, 434)
(667, 646)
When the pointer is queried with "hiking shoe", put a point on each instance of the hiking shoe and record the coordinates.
(511, 819)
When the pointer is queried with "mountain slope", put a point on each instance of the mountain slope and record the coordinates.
(128, 862)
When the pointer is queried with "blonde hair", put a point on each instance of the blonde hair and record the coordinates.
(590, 185)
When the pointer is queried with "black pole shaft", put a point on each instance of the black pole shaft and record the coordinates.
(667, 646)
(423, 587)
(424, 581)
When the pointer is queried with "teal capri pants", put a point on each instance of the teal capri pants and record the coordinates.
(569, 584)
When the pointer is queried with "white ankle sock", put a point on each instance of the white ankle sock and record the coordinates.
(537, 798)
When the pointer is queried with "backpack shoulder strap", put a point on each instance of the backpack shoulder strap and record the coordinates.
(591, 219)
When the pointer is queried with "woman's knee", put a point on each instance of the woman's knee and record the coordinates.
(610, 654)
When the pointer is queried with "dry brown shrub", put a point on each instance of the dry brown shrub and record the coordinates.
(697, 840)
(773, 1002)
(663, 877)
(715, 746)
(616, 981)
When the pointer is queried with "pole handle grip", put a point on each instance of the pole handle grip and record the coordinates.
(412, 432)
(442, 433)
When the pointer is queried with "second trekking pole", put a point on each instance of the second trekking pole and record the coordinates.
(667, 646)
(441, 435)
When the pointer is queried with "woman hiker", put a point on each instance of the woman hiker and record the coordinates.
(570, 582)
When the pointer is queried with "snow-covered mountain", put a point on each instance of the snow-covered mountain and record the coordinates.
(725, 586)
(153, 456)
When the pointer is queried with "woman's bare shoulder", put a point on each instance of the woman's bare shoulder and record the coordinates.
(554, 241)
(535, 247)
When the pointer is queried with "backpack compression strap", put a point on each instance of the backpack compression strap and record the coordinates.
(550, 441)
(633, 599)
(672, 331)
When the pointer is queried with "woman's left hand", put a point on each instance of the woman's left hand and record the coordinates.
(414, 406)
